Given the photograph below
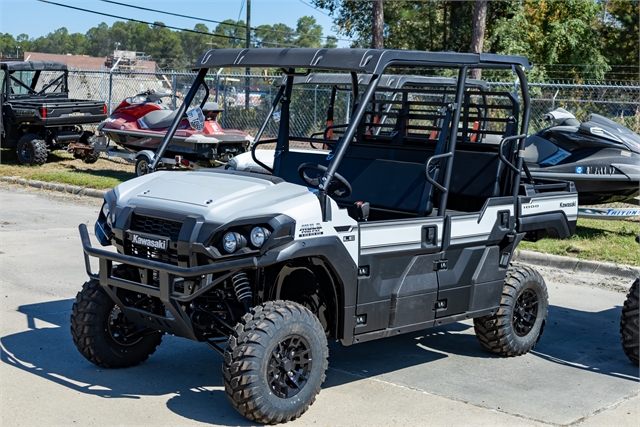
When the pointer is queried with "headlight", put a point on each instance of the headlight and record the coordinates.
(102, 228)
(107, 214)
(230, 241)
(258, 236)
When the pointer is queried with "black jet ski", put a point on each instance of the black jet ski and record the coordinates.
(600, 156)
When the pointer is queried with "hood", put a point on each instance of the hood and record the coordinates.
(218, 196)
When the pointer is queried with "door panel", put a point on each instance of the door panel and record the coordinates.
(398, 283)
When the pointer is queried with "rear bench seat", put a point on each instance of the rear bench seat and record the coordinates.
(393, 179)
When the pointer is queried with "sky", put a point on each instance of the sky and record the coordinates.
(38, 19)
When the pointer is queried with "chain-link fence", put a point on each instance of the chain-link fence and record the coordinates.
(617, 101)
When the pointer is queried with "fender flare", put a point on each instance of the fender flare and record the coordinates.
(338, 260)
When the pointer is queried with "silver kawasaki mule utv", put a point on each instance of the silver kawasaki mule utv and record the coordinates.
(378, 233)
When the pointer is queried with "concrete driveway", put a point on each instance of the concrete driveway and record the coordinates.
(577, 374)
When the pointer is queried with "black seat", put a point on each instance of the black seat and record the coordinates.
(159, 119)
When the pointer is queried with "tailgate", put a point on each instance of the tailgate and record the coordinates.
(61, 112)
(73, 112)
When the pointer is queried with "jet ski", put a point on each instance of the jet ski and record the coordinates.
(600, 156)
(139, 123)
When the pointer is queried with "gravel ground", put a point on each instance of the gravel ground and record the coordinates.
(610, 283)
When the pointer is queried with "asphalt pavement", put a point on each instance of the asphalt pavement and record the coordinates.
(576, 375)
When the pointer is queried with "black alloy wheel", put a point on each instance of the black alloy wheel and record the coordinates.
(525, 312)
(289, 366)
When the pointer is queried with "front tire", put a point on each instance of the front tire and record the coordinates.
(275, 363)
(518, 324)
(104, 335)
(629, 323)
(32, 150)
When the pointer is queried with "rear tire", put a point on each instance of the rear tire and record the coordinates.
(518, 324)
(629, 323)
(275, 363)
(103, 335)
(32, 150)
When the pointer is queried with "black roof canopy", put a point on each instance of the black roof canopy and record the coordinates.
(33, 66)
(372, 61)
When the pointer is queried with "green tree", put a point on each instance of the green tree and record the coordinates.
(194, 44)
(331, 42)
(277, 35)
(546, 31)
(309, 33)
(8, 45)
(165, 48)
(61, 42)
(26, 44)
(552, 32)
(99, 42)
(622, 38)
(230, 35)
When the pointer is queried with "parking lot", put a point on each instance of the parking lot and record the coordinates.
(576, 375)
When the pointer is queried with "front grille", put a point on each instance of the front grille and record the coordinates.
(169, 256)
(156, 226)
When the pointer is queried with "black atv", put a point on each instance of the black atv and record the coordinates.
(38, 116)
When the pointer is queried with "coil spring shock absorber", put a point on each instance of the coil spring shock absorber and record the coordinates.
(242, 288)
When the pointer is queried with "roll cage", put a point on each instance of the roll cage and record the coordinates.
(366, 68)
(14, 76)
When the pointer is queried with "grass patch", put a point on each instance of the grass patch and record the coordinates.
(63, 168)
(597, 240)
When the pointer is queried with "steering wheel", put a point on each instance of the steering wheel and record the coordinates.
(338, 187)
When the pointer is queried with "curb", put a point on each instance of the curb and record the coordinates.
(576, 265)
(62, 188)
(555, 261)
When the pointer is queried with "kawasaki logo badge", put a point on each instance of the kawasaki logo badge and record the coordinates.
(567, 205)
(152, 243)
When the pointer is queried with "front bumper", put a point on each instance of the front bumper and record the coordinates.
(174, 299)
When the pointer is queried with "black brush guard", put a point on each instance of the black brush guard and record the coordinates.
(176, 322)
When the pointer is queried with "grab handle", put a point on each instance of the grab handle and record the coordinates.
(502, 157)
(426, 170)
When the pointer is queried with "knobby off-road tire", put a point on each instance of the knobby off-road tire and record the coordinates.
(32, 150)
(629, 323)
(518, 324)
(278, 345)
(103, 335)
